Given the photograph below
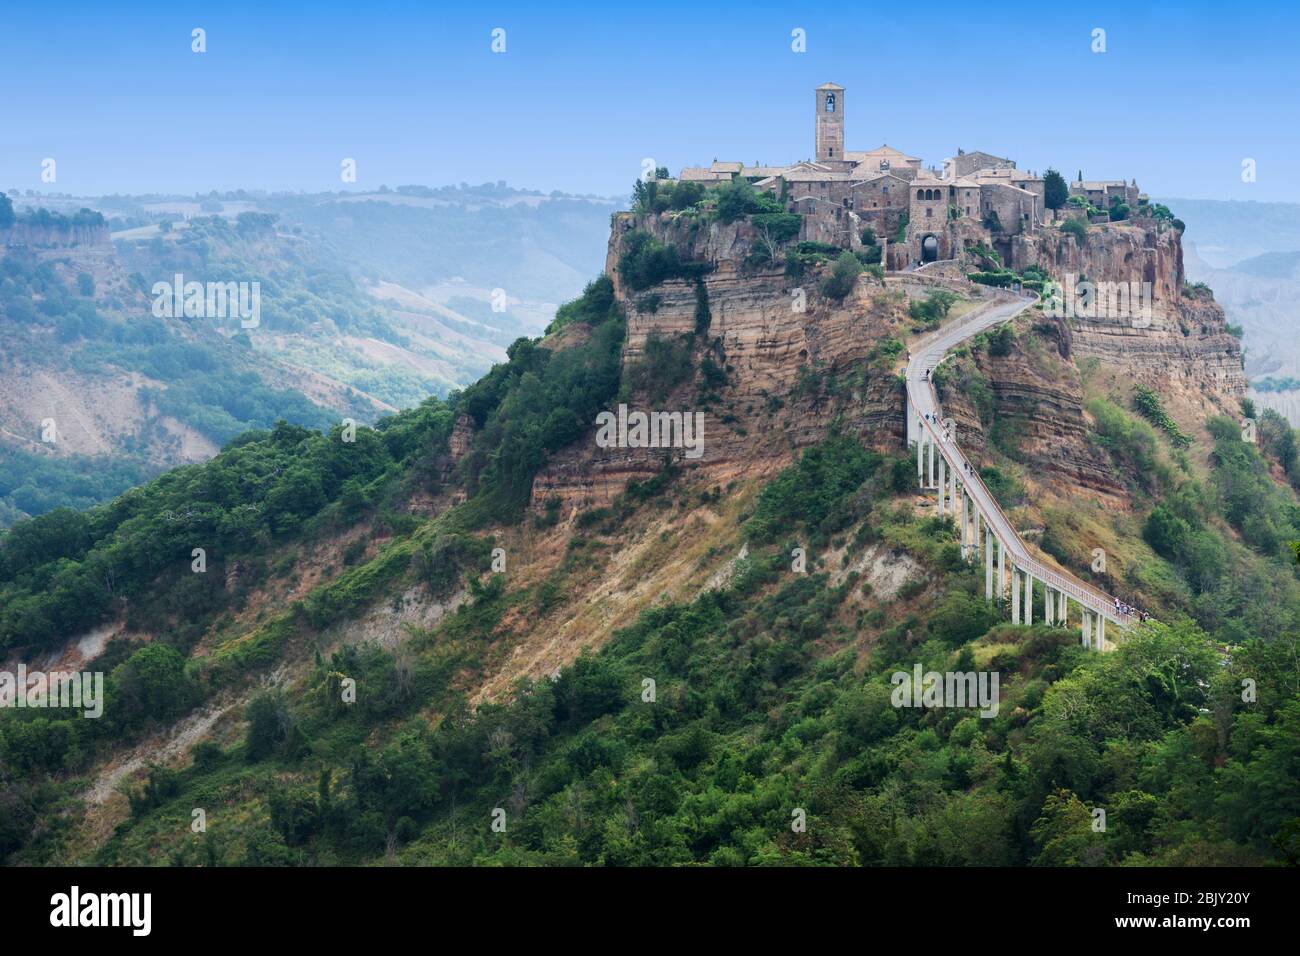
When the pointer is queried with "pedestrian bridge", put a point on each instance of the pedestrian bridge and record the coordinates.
(1010, 570)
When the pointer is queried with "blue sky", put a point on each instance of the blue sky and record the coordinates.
(585, 91)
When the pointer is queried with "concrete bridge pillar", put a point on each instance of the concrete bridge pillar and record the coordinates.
(1064, 600)
(988, 564)
(1015, 595)
(952, 490)
(943, 482)
(930, 478)
(1002, 570)
(967, 539)
(1086, 627)
(920, 457)
(1029, 598)
(1101, 632)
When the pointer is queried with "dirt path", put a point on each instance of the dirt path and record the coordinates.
(182, 737)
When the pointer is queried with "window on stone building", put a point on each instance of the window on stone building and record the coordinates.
(830, 102)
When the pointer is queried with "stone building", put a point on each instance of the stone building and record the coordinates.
(964, 163)
(1100, 192)
(975, 199)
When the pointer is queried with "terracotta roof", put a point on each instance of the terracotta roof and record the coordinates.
(830, 86)
(699, 174)
(811, 176)
(881, 152)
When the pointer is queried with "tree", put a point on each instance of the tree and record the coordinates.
(269, 725)
(1073, 227)
(7, 217)
(1055, 190)
(1064, 832)
(843, 277)
(152, 684)
(1166, 533)
(735, 199)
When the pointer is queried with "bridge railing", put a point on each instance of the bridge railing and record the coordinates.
(1083, 593)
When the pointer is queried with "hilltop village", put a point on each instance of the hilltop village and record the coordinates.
(975, 201)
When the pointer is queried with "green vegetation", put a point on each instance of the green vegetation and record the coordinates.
(1278, 383)
(646, 262)
(1002, 340)
(814, 493)
(35, 484)
(739, 198)
(932, 310)
(1132, 443)
(1147, 403)
(1263, 514)
(1055, 189)
(665, 363)
(1076, 228)
(773, 230)
(843, 277)
(764, 704)
(536, 403)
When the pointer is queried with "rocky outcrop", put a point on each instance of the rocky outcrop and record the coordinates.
(1184, 342)
(1037, 399)
(793, 373)
(793, 359)
(53, 235)
(73, 248)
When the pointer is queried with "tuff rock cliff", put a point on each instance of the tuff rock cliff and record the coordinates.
(791, 375)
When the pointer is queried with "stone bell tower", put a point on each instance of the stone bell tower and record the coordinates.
(830, 121)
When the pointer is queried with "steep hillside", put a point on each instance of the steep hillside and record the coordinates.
(483, 633)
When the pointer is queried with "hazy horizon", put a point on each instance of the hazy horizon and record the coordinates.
(280, 97)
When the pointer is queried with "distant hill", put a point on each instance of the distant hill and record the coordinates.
(1271, 265)
(1249, 254)
(371, 302)
(1227, 232)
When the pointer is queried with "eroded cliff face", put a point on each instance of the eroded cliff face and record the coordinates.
(790, 371)
(1182, 346)
(792, 375)
(73, 248)
(1035, 396)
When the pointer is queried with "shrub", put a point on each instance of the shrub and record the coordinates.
(1167, 533)
(738, 198)
(1002, 340)
(1073, 227)
(781, 226)
(1147, 403)
(843, 277)
(646, 261)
